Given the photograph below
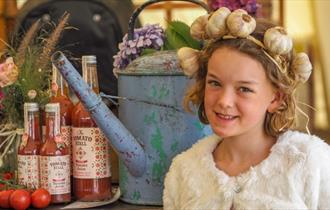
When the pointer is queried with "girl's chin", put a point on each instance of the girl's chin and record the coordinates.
(222, 132)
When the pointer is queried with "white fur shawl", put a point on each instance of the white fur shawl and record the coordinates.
(296, 175)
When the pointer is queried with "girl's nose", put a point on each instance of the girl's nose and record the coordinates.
(226, 99)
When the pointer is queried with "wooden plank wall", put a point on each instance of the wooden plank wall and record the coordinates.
(8, 12)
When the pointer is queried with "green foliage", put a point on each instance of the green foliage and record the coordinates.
(13, 104)
(178, 35)
(30, 77)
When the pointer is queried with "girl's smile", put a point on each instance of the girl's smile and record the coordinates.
(225, 119)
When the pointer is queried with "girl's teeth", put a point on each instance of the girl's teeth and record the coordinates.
(227, 117)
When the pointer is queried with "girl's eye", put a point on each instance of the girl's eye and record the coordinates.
(213, 83)
(245, 90)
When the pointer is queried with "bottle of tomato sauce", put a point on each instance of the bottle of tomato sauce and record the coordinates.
(55, 158)
(60, 94)
(90, 148)
(28, 152)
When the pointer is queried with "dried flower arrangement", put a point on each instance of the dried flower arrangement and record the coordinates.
(25, 74)
(29, 71)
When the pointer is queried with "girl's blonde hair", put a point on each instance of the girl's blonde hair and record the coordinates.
(275, 123)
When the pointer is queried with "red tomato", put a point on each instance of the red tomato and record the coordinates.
(20, 199)
(4, 198)
(40, 198)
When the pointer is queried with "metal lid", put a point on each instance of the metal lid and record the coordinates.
(31, 107)
(88, 59)
(52, 107)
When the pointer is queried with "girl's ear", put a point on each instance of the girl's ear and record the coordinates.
(276, 102)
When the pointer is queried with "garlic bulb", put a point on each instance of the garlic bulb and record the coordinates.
(302, 66)
(240, 23)
(277, 41)
(216, 25)
(197, 28)
(188, 59)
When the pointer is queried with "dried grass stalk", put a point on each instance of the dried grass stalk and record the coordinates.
(20, 56)
(52, 41)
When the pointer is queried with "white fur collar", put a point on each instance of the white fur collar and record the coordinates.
(291, 177)
(290, 146)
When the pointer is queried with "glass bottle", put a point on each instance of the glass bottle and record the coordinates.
(55, 158)
(60, 94)
(90, 148)
(28, 152)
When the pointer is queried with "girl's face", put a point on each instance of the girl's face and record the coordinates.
(237, 94)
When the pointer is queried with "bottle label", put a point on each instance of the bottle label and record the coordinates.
(28, 170)
(66, 135)
(60, 144)
(55, 174)
(90, 153)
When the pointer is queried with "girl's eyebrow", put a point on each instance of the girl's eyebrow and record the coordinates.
(212, 75)
(246, 82)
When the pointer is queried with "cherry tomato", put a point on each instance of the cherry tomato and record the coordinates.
(20, 199)
(40, 198)
(4, 198)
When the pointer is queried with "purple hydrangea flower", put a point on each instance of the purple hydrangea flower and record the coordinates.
(149, 36)
(250, 6)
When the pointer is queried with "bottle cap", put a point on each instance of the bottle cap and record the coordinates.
(31, 107)
(88, 59)
(52, 107)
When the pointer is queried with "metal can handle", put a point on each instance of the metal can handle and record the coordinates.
(138, 10)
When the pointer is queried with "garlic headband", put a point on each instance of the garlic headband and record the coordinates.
(223, 24)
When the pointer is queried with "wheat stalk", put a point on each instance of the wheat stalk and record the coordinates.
(52, 41)
(20, 55)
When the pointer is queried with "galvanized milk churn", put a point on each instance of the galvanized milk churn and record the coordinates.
(153, 127)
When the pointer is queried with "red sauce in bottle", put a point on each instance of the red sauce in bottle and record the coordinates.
(28, 152)
(55, 158)
(60, 94)
(90, 149)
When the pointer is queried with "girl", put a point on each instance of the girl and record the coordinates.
(245, 79)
